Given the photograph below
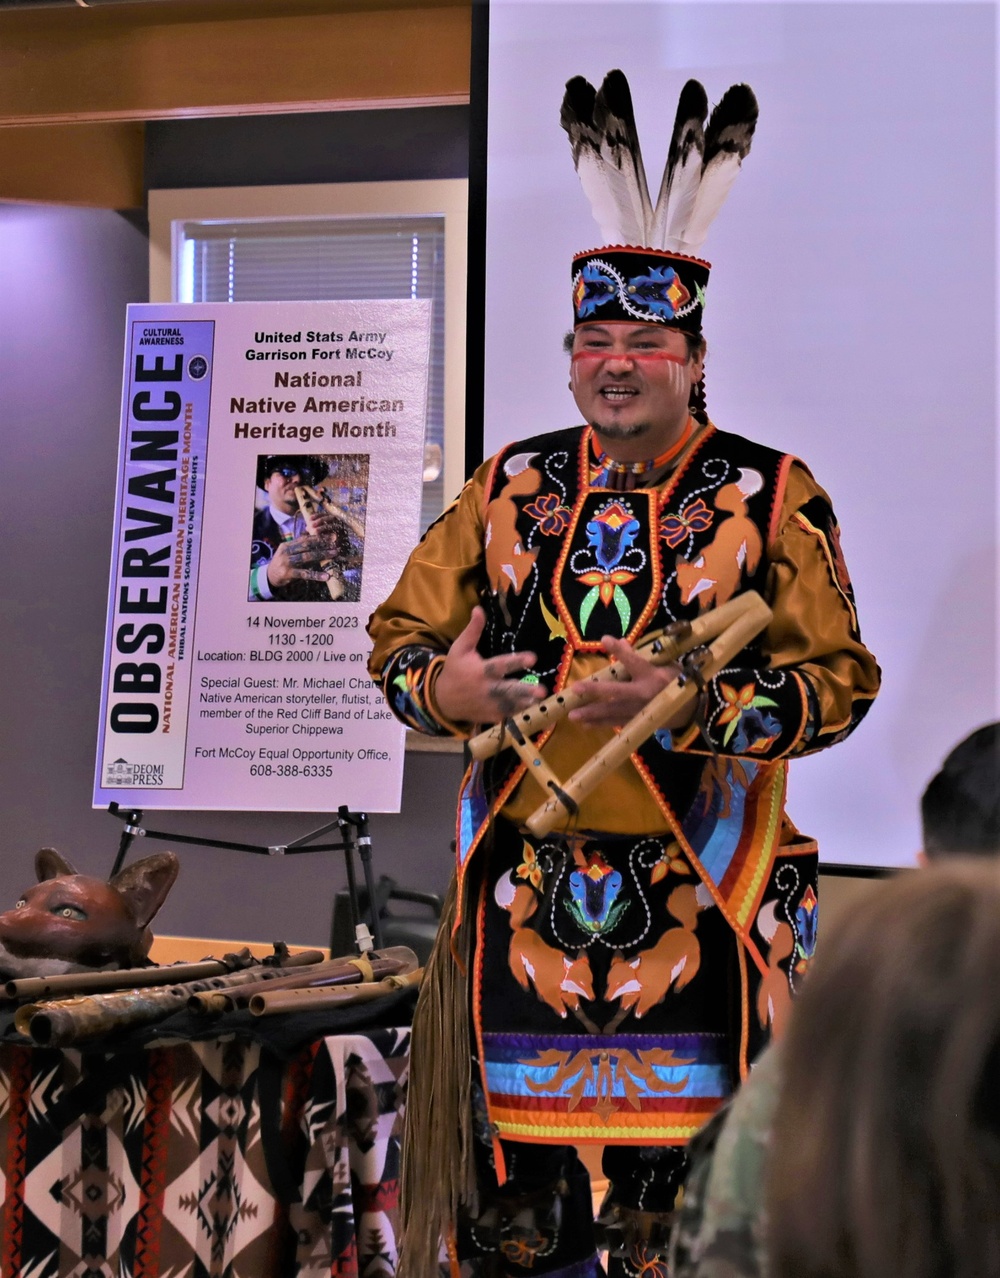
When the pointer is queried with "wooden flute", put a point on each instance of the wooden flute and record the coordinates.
(313, 502)
(391, 960)
(565, 797)
(65, 986)
(313, 997)
(661, 648)
(61, 1023)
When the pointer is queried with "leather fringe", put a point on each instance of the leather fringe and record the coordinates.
(438, 1171)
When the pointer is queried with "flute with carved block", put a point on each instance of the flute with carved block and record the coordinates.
(661, 648)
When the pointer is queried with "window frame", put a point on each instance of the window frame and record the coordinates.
(443, 197)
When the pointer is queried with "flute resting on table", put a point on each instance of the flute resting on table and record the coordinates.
(62, 1022)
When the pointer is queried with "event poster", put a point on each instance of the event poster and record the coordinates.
(269, 481)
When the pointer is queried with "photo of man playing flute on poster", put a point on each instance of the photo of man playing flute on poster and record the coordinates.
(308, 528)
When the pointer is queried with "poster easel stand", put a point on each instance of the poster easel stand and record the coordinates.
(353, 827)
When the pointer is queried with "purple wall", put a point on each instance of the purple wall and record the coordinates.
(65, 278)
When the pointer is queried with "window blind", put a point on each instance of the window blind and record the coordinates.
(329, 259)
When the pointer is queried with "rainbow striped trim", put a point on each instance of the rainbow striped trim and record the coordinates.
(629, 1089)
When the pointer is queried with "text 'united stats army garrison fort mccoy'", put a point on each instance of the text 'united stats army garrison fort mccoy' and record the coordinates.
(268, 494)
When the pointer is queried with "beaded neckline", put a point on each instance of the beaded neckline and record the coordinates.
(620, 474)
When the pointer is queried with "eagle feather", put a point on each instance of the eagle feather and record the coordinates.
(702, 161)
(683, 169)
(727, 142)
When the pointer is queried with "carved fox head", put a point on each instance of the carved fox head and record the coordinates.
(69, 921)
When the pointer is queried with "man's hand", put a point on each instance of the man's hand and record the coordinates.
(471, 690)
(333, 528)
(297, 560)
(612, 703)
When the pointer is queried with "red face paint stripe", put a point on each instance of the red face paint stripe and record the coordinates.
(640, 358)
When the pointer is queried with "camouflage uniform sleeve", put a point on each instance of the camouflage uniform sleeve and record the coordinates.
(720, 1228)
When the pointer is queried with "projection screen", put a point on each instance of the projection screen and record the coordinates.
(851, 318)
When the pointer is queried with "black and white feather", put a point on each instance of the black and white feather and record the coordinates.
(577, 118)
(702, 161)
(727, 142)
(682, 175)
(614, 121)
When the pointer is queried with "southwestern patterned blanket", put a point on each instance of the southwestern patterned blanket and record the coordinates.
(210, 1159)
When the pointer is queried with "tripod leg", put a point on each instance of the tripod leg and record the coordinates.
(129, 831)
(365, 852)
(347, 835)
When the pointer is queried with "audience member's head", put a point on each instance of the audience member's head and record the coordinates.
(960, 809)
(886, 1154)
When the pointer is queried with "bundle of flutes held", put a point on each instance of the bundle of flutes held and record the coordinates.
(699, 649)
(75, 1008)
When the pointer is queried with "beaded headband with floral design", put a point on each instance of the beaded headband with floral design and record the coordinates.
(650, 272)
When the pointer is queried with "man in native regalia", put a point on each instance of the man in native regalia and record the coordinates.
(611, 982)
